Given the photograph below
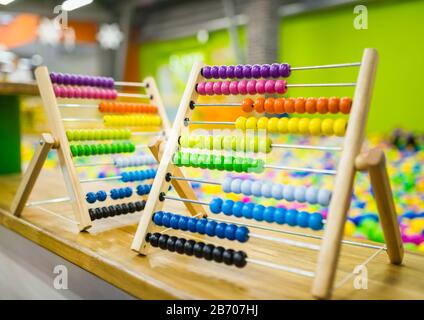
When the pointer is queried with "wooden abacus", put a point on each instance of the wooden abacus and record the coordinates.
(351, 160)
(115, 118)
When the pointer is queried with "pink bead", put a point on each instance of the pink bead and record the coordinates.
(242, 87)
(234, 87)
(270, 86)
(260, 86)
(281, 86)
(57, 91)
(225, 87)
(83, 93)
(114, 94)
(209, 88)
(77, 93)
(69, 92)
(89, 92)
(251, 87)
(201, 88)
(217, 87)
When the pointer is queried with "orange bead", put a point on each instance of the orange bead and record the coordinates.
(269, 105)
(333, 104)
(110, 107)
(311, 105)
(299, 105)
(289, 105)
(247, 105)
(102, 106)
(322, 105)
(259, 105)
(279, 105)
(345, 105)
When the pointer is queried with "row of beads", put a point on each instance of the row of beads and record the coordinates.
(116, 210)
(252, 143)
(84, 93)
(201, 226)
(270, 214)
(99, 149)
(277, 191)
(132, 121)
(81, 80)
(298, 105)
(218, 162)
(275, 70)
(133, 161)
(314, 126)
(241, 87)
(138, 175)
(198, 249)
(126, 107)
(98, 134)
(118, 193)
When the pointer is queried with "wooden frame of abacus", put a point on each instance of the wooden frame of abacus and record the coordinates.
(58, 140)
(351, 160)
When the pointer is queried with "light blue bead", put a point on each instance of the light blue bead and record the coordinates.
(277, 191)
(280, 215)
(300, 194)
(303, 219)
(248, 210)
(312, 195)
(266, 190)
(246, 187)
(236, 186)
(269, 214)
(258, 212)
(288, 193)
(226, 185)
(324, 197)
(257, 188)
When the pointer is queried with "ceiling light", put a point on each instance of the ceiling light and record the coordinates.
(70, 5)
(5, 2)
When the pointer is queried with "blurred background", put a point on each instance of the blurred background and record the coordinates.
(131, 39)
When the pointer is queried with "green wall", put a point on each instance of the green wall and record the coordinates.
(395, 29)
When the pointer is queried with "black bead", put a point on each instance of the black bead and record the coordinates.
(138, 206)
(170, 244)
(131, 207)
(207, 251)
(240, 259)
(198, 249)
(112, 211)
(118, 209)
(163, 239)
(217, 254)
(180, 245)
(148, 237)
(188, 247)
(154, 239)
(98, 213)
(125, 209)
(105, 212)
(92, 214)
(228, 256)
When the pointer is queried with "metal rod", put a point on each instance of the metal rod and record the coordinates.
(197, 180)
(101, 179)
(50, 201)
(211, 122)
(307, 147)
(146, 133)
(186, 200)
(141, 146)
(134, 95)
(351, 84)
(130, 84)
(298, 271)
(216, 104)
(94, 164)
(289, 242)
(81, 120)
(75, 105)
(327, 66)
(321, 171)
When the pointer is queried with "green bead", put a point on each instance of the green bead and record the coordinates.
(131, 147)
(194, 160)
(113, 148)
(87, 150)
(74, 151)
(228, 163)
(96, 135)
(69, 135)
(265, 145)
(211, 163)
(118, 147)
(127, 134)
(202, 161)
(260, 166)
(194, 142)
(77, 135)
(125, 147)
(208, 142)
(80, 150)
(245, 164)
(106, 148)
(186, 159)
(238, 167)
(219, 162)
(83, 135)
(101, 148)
(176, 159)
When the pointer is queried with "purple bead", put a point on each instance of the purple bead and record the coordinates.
(242, 87)
(200, 88)
(256, 71)
(234, 87)
(222, 71)
(84, 80)
(265, 70)
(215, 72)
(209, 88)
(274, 70)
(111, 83)
(247, 71)
(217, 87)
(66, 78)
(59, 78)
(284, 70)
(230, 72)
(73, 80)
(238, 71)
(225, 87)
(260, 86)
(53, 77)
(270, 86)
(206, 72)
(251, 87)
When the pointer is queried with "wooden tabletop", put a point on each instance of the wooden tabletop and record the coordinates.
(18, 88)
(105, 252)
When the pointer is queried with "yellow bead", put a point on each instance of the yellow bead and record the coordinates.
(293, 125)
(273, 125)
(283, 125)
(217, 142)
(327, 127)
(315, 126)
(421, 247)
(340, 127)
(240, 123)
(262, 123)
(251, 123)
(349, 228)
(304, 126)
(417, 225)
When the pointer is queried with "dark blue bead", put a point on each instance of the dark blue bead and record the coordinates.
(237, 209)
(220, 230)
(210, 228)
(242, 234)
(280, 215)
(191, 224)
(230, 231)
(166, 219)
(114, 194)
(303, 219)
(291, 217)
(315, 221)
(128, 192)
(91, 197)
(125, 177)
(269, 214)
(227, 207)
(157, 218)
(175, 219)
(140, 190)
(101, 195)
(122, 193)
(248, 210)
(216, 205)
(182, 224)
(258, 212)
(201, 225)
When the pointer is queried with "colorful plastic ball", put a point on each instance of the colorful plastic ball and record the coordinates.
(270, 86)
(246, 187)
(241, 123)
(222, 72)
(311, 105)
(215, 72)
(304, 126)
(257, 188)
(91, 197)
(283, 125)
(277, 191)
(285, 70)
(216, 205)
(340, 127)
(259, 105)
(101, 195)
(293, 125)
(262, 123)
(238, 209)
(242, 87)
(303, 219)
(230, 72)
(209, 88)
(274, 70)
(258, 212)
(248, 210)
(349, 228)
(236, 186)
(291, 217)
(315, 126)
(266, 190)
(280, 215)
(238, 71)
(324, 197)
(327, 127)
(316, 221)
(234, 87)
(251, 123)
(269, 214)
(311, 195)
(289, 105)
(174, 221)
(345, 105)
(247, 71)
(300, 194)
(265, 70)
(279, 103)
(273, 125)
(299, 105)
(288, 193)
(247, 105)
(322, 105)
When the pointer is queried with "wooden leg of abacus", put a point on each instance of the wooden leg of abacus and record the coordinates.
(47, 142)
(375, 162)
(183, 188)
